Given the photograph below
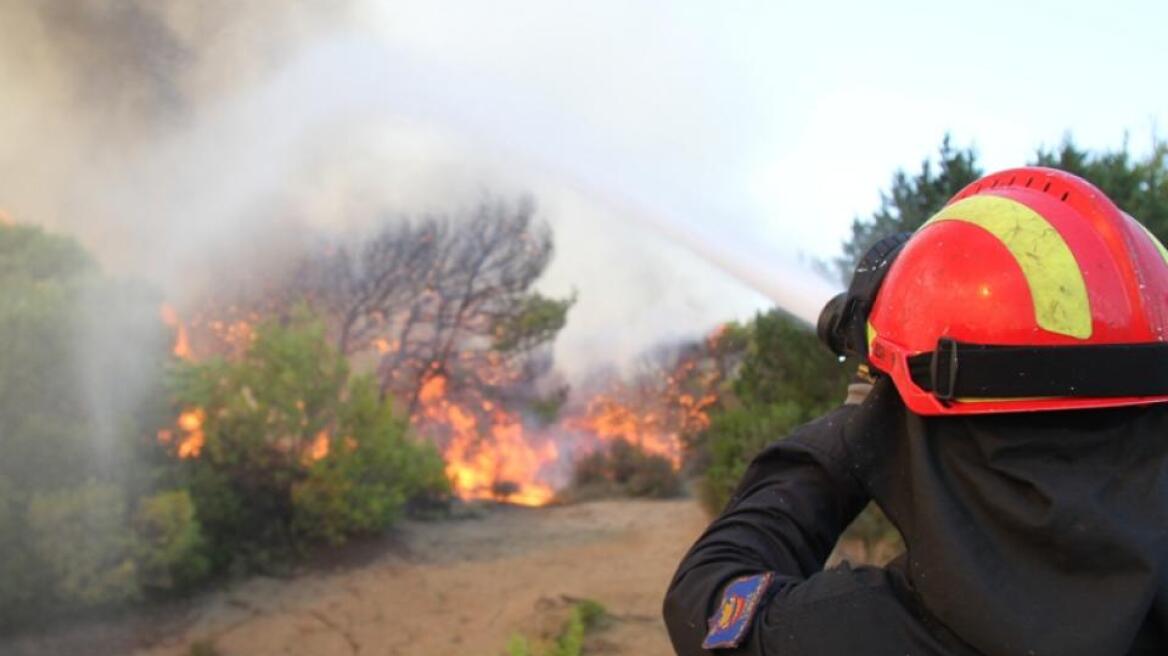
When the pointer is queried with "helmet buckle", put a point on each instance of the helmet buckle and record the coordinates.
(943, 369)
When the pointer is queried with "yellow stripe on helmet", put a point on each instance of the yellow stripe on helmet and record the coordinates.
(1056, 283)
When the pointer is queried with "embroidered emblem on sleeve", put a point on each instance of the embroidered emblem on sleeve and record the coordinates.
(732, 618)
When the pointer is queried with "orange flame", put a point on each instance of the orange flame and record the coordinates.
(486, 457)
(182, 342)
(488, 451)
(608, 418)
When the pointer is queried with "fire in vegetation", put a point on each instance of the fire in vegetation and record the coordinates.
(488, 451)
(443, 314)
(496, 451)
(188, 433)
(218, 336)
(665, 402)
(182, 342)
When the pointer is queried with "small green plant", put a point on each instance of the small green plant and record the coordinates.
(518, 646)
(585, 616)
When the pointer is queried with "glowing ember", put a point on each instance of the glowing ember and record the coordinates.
(384, 346)
(190, 422)
(320, 446)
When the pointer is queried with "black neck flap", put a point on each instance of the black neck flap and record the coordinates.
(958, 370)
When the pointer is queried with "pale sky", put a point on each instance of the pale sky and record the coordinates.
(789, 117)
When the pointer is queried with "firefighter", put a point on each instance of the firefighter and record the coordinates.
(1016, 434)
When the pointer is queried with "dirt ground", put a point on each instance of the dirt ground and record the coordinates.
(465, 586)
(450, 587)
(460, 586)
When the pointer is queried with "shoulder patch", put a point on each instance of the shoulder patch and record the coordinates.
(740, 600)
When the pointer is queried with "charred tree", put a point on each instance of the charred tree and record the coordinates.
(445, 295)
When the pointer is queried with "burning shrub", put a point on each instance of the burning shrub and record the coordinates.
(363, 487)
(624, 469)
(282, 447)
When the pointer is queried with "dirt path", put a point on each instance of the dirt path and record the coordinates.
(464, 587)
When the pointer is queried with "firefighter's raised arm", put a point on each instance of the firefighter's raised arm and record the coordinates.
(754, 583)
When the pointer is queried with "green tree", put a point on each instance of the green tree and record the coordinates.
(1138, 185)
(536, 320)
(82, 359)
(786, 363)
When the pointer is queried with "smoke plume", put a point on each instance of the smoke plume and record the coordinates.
(183, 141)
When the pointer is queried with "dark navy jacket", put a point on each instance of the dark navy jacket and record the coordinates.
(1030, 534)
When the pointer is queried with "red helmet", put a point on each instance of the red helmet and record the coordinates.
(1030, 290)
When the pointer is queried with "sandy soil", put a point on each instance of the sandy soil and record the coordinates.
(464, 587)
(461, 586)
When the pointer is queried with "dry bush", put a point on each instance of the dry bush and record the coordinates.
(623, 469)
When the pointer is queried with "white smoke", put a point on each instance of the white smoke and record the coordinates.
(170, 135)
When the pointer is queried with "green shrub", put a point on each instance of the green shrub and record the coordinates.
(170, 543)
(585, 616)
(518, 646)
(734, 438)
(26, 583)
(370, 473)
(593, 469)
(80, 535)
(653, 477)
(787, 378)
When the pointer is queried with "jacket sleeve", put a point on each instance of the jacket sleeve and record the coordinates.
(785, 517)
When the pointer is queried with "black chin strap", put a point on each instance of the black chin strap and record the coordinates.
(957, 370)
